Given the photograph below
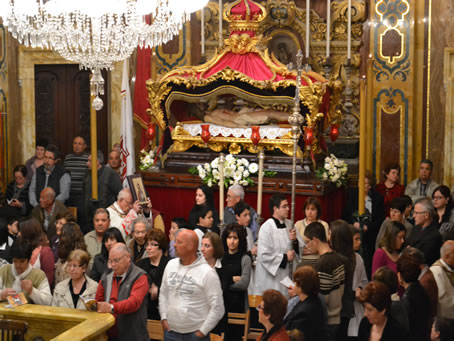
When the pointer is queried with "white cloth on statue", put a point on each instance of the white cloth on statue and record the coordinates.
(272, 244)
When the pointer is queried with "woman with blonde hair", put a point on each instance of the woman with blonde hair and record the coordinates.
(78, 288)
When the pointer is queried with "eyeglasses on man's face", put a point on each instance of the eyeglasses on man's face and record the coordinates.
(115, 260)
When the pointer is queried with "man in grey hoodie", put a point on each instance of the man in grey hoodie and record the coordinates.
(190, 298)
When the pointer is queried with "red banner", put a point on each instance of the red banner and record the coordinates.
(143, 73)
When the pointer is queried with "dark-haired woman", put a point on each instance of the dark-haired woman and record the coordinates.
(312, 212)
(388, 252)
(377, 324)
(71, 238)
(9, 229)
(390, 188)
(442, 201)
(342, 242)
(307, 315)
(156, 246)
(236, 274)
(17, 191)
(42, 257)
(213, 251)
(60, 220)
(204, 196)
(110, 238)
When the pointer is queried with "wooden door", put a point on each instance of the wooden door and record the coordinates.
(62, 107)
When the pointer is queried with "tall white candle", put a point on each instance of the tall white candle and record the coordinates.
(220, 23)
(328, 26)
(349, 29)
(221, 188)
(202, 30)
(308, 29)
(260, 184)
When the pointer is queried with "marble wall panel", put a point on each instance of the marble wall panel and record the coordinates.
(442, 37)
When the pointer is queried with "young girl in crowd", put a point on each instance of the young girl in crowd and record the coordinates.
(203, 196)
(312, 212)
(60, 220)
(236, 274)
(213, 252)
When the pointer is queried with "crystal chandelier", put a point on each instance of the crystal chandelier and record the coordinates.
(96, 33)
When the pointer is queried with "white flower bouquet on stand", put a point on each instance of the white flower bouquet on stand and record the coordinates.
(334, 170)
(236, 171)
(147, 159)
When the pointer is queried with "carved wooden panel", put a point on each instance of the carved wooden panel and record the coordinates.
(62, 102)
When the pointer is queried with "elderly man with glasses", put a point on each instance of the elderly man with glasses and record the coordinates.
(122, 293)
(425, 235)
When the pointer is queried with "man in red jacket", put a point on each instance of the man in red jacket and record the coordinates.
(122, 292)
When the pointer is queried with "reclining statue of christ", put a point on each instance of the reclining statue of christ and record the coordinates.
(246, 117)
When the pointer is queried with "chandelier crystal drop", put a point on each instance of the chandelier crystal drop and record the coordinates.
(96, 33)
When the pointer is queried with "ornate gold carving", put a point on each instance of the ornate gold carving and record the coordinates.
(282, 13)
(241, 44)
(182, 141)
(234, 148)
(248, 23)
(156, 91)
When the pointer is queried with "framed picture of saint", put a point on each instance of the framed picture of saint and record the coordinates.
(137, 188)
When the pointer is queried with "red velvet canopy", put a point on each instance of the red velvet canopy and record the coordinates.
(243, 68)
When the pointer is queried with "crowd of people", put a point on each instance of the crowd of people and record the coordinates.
(384, 275)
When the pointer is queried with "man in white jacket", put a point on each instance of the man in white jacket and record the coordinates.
(190, 298)
(443, 271)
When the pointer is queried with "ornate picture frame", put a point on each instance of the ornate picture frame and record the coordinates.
(137, 187)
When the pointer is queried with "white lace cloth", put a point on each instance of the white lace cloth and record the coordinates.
(269, 131)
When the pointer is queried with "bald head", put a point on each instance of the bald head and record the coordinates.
(190, 237)
(49, 193)
(447, 252)
(186, 246)
(120, 248)
(47, 198)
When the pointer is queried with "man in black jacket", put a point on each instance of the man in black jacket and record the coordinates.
(425, 235)
(50, 174)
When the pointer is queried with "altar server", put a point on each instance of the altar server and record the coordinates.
(277, 248)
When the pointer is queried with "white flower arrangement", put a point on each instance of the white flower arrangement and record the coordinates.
(147, 158)
(236, 171)
(334, 170)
